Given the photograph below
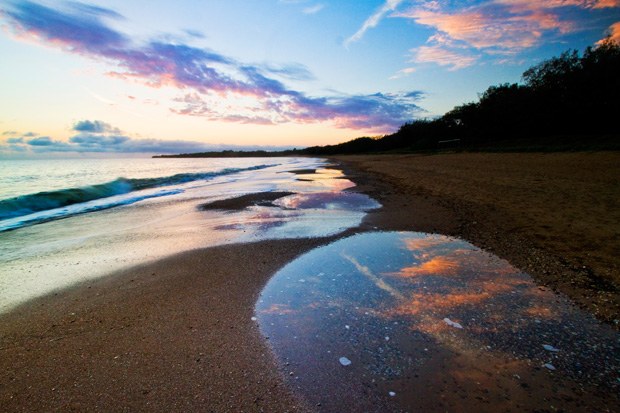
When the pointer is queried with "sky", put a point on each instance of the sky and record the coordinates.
(137, 77)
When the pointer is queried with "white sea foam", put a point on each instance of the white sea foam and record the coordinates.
(99, 236)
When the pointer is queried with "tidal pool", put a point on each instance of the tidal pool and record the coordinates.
(412, 321)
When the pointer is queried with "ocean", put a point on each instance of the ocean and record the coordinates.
(67, 221)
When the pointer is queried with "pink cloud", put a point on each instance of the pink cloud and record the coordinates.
(494, 27)
(482, 29)
(209, 79)
(441, 56)
(554, 4)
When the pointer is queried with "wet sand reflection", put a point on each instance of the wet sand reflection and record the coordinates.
(316, 206)
(430, 322)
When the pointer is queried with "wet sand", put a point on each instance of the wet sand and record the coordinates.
(178, 335)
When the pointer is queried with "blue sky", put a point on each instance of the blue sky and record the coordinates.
(185, 76)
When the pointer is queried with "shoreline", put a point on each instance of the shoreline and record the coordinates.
(177, 334)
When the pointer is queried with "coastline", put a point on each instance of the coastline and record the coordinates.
(177, 334)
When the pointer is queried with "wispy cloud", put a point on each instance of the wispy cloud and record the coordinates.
(372, 21)
(503, 27)
(213, 77)
(441, 56)
(314, 9)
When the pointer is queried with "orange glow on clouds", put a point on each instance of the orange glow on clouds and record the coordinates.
(614, 33)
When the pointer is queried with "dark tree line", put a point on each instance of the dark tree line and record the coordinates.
(566, 96)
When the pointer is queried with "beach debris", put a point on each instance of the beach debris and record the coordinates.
(344, 361)
(550, 348)
(253, 318)
(549, 366)
(387, 338)
(452, 323)
(347, 326)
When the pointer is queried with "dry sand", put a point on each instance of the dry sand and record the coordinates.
(178, 335)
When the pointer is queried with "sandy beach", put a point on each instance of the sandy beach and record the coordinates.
(178, 335)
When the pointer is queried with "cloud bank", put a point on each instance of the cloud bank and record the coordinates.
(215, 86)
(100, 137)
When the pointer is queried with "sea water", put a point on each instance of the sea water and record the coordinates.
(67, 221)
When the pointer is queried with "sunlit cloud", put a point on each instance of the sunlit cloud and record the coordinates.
(373, 21)
(498, 27)
(376, 111)
(404, 72)
(441, 56)
(554, 4)
(482, 28)
(602, 4)
(214, 78)
(614, 33)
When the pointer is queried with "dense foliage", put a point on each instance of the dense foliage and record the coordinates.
(568, 98)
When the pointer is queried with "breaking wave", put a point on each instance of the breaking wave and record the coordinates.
(47, 201)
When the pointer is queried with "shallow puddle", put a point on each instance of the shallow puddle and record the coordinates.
(411, 321)
(315, 206)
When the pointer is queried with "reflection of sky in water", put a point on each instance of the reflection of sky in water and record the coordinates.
(54, 255)
(328, 200)
(434, 321)
(319, 210)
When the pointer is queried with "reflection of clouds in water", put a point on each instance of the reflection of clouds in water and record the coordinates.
(434, 266)
(277, 309)
(328, 200)
(322, 180)
(428, 243)
(383, 285)
(319, 208)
